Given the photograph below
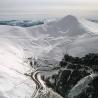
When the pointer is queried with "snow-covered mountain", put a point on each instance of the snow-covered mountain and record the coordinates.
(51, 41)
(71, 34)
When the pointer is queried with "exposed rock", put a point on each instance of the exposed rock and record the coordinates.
(74, 79)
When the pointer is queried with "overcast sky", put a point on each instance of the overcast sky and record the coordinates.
(43, 8)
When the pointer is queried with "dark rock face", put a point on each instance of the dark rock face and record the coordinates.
(75, 80)
(62, 84)
(66, 79)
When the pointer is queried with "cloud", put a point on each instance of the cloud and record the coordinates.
(45, 7)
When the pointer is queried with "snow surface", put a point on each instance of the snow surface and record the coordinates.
(52, 40)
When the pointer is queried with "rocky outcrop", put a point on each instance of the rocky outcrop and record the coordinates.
(85, 88)
(74, 80)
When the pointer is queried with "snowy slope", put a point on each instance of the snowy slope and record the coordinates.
(16, 45)
(52, 40)
(71, 34)
(13, 83)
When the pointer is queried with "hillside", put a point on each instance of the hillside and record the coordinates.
(47, 42)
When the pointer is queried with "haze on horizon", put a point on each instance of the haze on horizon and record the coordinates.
(26, 9)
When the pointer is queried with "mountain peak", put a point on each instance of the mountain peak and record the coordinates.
(70, 18)
(70, 25)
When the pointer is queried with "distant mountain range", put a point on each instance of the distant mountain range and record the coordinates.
(21, 23)
(96, 21)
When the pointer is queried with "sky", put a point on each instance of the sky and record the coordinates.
(19, 9)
